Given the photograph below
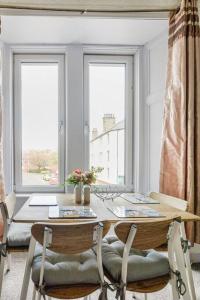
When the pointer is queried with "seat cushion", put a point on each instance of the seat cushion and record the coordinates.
(19, 234)
(141, 264)
(63, 269)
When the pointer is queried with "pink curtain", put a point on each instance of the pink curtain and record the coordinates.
(180, 157)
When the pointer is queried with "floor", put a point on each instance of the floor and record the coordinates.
(13, 281)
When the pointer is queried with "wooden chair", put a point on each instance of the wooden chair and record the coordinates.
(143, 236)
(69, 241)
(169, 200)
(182, 205)
(16, 236)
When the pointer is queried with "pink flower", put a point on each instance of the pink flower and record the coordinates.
(78, 171)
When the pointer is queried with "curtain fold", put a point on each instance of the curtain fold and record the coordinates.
(2, 189)
(180, 156)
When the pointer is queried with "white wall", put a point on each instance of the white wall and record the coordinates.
(155, 66)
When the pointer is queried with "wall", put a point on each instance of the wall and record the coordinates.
(155, 53)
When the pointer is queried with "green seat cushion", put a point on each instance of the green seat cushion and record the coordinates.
(63, 269)
(141, 264)
(19, 234)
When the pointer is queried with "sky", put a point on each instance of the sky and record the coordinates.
(106, 93)
(39, 106)
(40, 101)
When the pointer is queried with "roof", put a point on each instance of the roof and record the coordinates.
(116, 127)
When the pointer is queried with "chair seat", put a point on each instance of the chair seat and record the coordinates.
(141, 264)
(19, 235)
(63, 269)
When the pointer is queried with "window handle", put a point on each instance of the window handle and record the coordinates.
(86, 128)
(61, 124)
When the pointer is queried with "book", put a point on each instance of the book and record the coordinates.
(135, 212)
(136, 198)
(71, 212)
(41, 200)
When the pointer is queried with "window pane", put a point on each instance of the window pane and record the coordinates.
(39, 96)
(107, 112)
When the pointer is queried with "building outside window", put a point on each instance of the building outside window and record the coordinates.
(109, 101)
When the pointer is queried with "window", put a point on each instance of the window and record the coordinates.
(109, 113)
(39, 122)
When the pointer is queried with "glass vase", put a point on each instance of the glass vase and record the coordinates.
(86, 195)
(78, 193)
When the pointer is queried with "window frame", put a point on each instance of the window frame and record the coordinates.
(18, 59)
(110, 59)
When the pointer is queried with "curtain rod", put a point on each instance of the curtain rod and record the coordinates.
(85, 11)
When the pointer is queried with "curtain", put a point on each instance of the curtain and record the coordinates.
(180, 156)
(2, 191)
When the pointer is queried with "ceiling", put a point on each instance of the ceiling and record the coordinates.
(63, 30)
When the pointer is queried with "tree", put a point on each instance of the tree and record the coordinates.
(39, 160)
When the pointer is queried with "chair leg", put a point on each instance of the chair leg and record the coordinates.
(186, 255)
(145, 296)
(27, 272)
(34, 293)
(8, 262)
(39, 296)
(2, 262)
(175, 294)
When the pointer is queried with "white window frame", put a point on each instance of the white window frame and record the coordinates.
(18, 59)
(110, 59)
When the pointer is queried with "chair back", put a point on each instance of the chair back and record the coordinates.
(10, 202)
(149, 234)
(169, 200)
(66, 238)
(7, 210)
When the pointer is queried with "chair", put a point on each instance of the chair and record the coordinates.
(169, 200)
(130, 265)
(16, 236)
(182, 205)
(65, 265)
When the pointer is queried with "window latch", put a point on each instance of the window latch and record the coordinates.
(86, 128)
(61, 127)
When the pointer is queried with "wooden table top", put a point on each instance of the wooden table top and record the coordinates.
(32, 214)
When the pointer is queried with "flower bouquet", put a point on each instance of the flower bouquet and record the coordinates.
(78, 178)
(84, 178)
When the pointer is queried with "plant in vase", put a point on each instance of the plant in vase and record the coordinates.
(76, 179)
(79, 179)
(90, 177)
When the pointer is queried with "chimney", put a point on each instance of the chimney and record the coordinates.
(94, 133)
(108, 122)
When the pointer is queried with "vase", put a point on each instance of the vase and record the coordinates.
(86, 195)
(78, 193)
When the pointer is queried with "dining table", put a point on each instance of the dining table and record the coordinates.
(40, 213)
